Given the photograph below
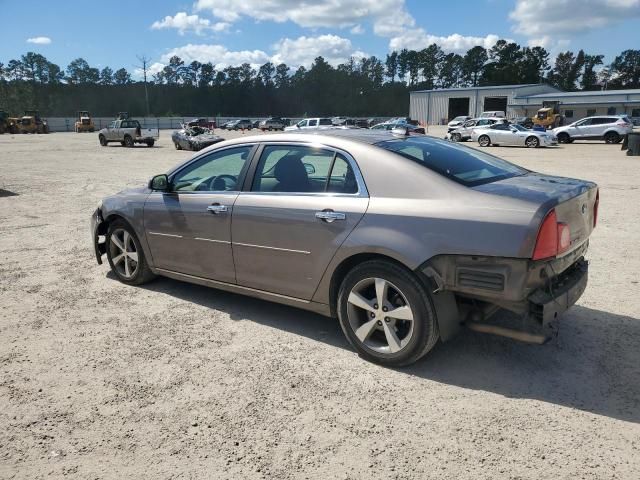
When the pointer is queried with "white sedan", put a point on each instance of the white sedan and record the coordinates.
(506, 134)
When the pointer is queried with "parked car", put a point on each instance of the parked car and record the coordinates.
(194, 138)
(458, 121)
(343, 121)
(408, 120)
(274, 123)
(635, 121)
(463, 133)
(309, 123)
(342, 222)
(202, 122)
(239, 125)
(513, 135)
(610, 128)
(492, 113)
(128, 132)
(525, 122)
(412, 129)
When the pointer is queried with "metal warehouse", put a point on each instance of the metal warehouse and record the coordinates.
(440, 106)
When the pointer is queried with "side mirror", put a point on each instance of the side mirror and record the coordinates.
(309, 168)
(159, 183)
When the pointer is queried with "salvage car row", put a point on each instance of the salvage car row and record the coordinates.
(497, 130)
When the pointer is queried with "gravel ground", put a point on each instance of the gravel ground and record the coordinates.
(170, 380)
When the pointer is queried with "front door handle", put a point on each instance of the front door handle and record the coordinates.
(330, 216)
(216, 208)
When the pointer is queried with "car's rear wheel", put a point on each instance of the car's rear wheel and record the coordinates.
(103, 140)
(564, 137)
(125, 255)
(150, 143)
(386, 314)
(532, 142)
(612, 137)
(484, 141)
(128, 141)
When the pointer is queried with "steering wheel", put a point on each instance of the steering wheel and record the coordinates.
(222, 183)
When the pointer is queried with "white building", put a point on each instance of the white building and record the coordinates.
(439, 106)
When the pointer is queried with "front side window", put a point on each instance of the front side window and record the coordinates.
(313, 123)
(465, 165)
(584, 123)
(302, 123)
(302, 169)
(112, 125)
(216, 172)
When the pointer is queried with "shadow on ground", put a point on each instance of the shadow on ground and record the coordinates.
(593, 365)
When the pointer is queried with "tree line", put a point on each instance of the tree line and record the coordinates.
(358, 87)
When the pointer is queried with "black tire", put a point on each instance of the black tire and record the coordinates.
(456, 137)
(150, 143)
(612, 137)
(424, 331)
(103, 140)
(563, 137)
(484, 141)
(178, 147)
(532, 142)
(128, 141)
(143, 273)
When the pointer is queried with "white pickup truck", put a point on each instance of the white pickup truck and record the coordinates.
(309, 123)
(128, 132)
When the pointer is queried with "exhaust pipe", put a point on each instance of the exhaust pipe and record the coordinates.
(509, 333)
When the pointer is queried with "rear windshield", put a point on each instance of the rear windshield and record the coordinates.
(465, 165)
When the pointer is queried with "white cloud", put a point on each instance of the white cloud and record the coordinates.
(538, 19)
(357, 30)
(319, 13)
(303, 50)
(39, 40)
(185, 23)
(218, 55)
(418, 38)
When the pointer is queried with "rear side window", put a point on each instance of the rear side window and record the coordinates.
(461, 164)
(326, 121)
(301, 169)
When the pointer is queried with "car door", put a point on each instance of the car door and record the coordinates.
(301, 205)
(581, 128)
(111, 130)
(189, 228)
(500, 133)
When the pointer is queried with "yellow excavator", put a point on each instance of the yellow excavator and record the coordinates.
(548, 116)
(31, 122)
(84, 122)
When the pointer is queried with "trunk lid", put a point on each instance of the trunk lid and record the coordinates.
(573, 200)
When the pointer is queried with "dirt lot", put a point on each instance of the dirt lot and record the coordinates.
(102, 380)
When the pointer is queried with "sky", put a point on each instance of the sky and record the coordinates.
(229, 32)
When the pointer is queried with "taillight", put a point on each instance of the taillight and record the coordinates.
(553, 238)
(595, 208)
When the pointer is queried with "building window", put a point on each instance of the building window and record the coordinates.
(611, 111)
(568, 113)
(635, 112)
(591, 112)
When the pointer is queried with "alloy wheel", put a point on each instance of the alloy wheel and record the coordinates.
(532, 142)
(380, 315)
(123, 252)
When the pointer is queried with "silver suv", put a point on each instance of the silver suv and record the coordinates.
(610, 128)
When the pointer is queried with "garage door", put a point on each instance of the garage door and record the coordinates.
(495, 103)
(458, 107)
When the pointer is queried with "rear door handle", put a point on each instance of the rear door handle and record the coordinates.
(330, 216)
(216, 208)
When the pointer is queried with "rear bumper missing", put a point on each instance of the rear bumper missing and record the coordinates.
(548, 303)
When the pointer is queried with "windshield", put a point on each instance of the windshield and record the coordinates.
(519, 127)
(461, 164)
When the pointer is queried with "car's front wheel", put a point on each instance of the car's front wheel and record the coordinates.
(456, 137)
(386, 314)
(125, 255)
(103, 140)
(484, 141)
(564, 137)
